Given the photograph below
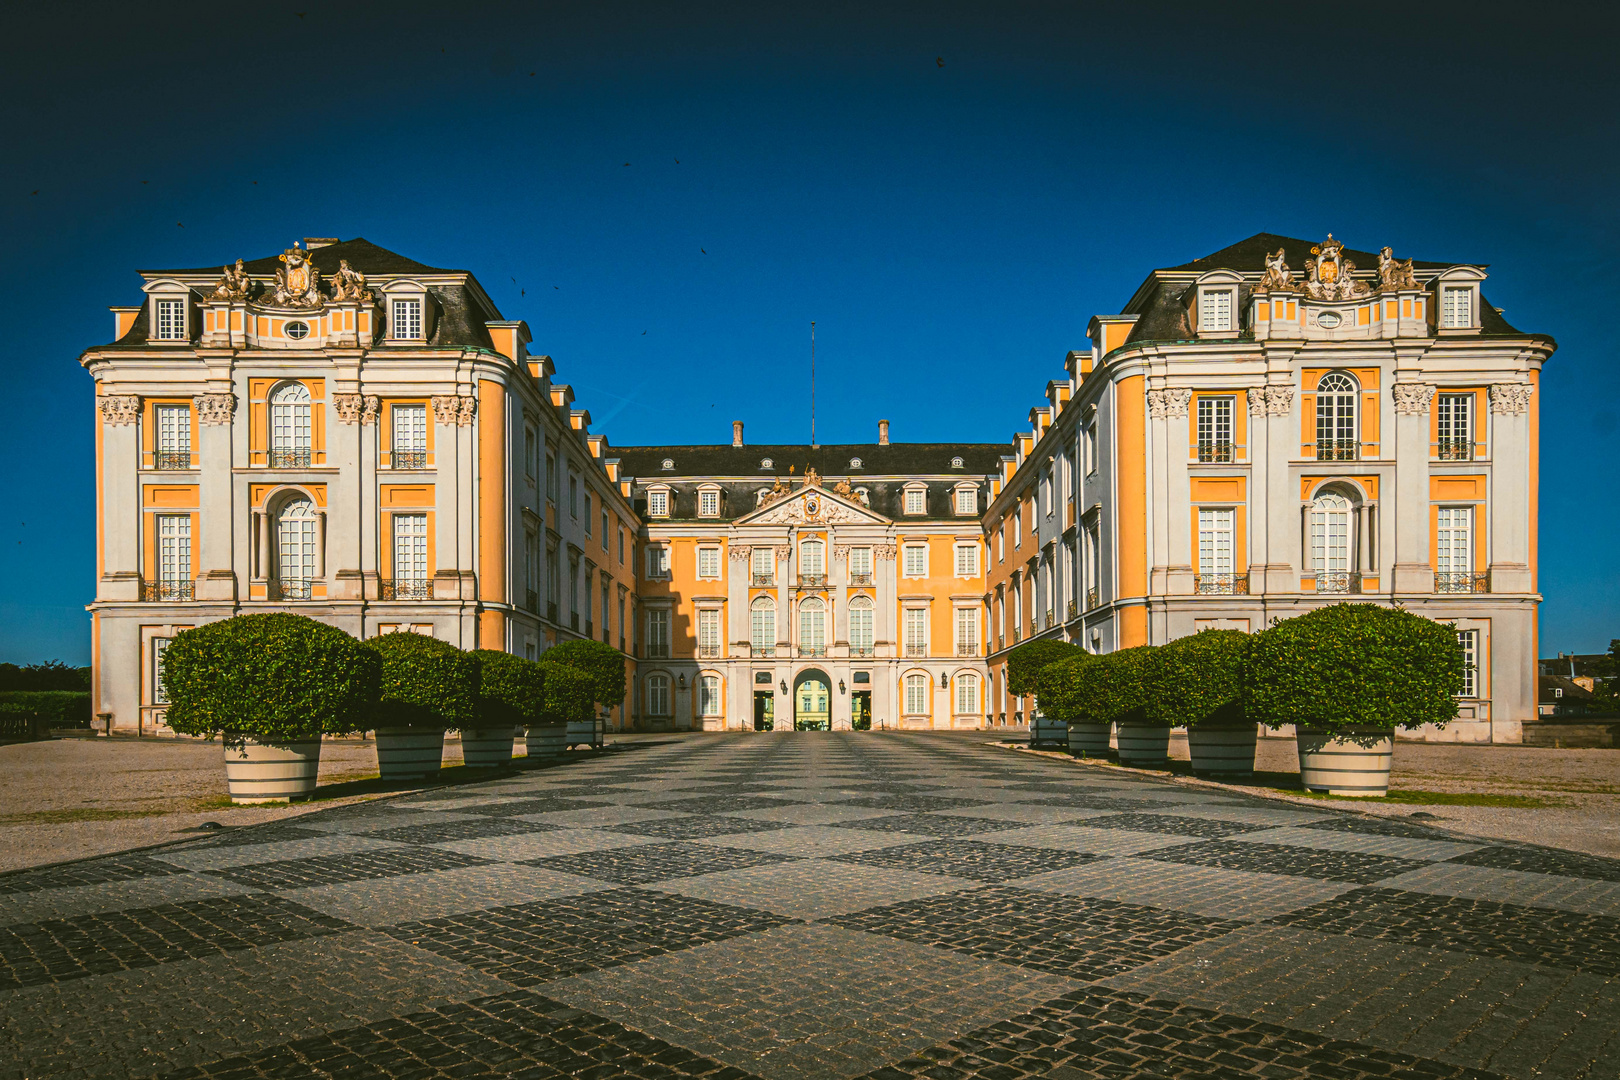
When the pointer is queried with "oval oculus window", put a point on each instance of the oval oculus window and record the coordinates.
(298, 331)
(1328, 319)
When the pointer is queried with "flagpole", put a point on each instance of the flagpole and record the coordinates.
(812, 384)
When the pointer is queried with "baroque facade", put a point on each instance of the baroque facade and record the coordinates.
(346, 433)
(1245, 442)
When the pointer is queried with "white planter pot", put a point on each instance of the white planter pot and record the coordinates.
(1043, 730)
(1222, 749)
(1354, 762)
(1144, 745)
(408, 753)
(486, 748)
(257, 772)
(1089, 740)
(582, 733)
(548, 741)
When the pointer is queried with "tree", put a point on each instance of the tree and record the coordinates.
(511, 690)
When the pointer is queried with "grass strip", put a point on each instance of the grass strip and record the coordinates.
(1432, 798)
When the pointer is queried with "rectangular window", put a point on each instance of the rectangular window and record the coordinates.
(658, 695)
(174, 548)
(573, 494)
(708, 503)
(708, 562)
(1090, 449)
(531, 562)
(1018, 527)
(762, 626)
(917, 695)
(916, 630)
(621, 547)
(531, 454)
(407, 320)
(1215, 429)
(916, 564)
(916, 500)
(967, 560)
(607, 605)
(1001, 544)
(1215, 541)
(605, 532)
(587, 513)
(553, 584)
(967, 501)
(658, 503)
(860, 564)
(410, 547)
(1454, 415)
(551, 477)
(811, 561)
(967, 631)
(1215, 310)
(658, 633)
(1455, 540)
(763, 565)
(173, 436)
(171, 320)
(573, 591)
(657, 561)
(860, 630)
(1456, 307)
(1046, 494)
(160, 695)
(1469, 640)
(709, 696)
(708, 632)
(410, 437)
(967, 694)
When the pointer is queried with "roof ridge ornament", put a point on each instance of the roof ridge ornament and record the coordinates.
(298, 282)
(1330, 274)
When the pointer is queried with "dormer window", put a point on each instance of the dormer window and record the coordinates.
(956, 463)
(764, 463)
(855, 463)
(406, 320)
(1215, 310)
(171, 320)
(916, 500)
(1456, 307)
(967, 501)
(709, 502)
(668, 464)
(658, 502)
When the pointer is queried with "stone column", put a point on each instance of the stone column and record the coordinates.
(1177, 496)
(347, 499)
(217, 577)
(1157, 482)
(1509, 508)
(1283, 521)
(1256, 543)
(1412, 571)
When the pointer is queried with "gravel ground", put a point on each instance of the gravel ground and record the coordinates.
(1581, 789)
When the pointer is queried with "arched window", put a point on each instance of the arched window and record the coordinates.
(967, 694)
(762, 626)
(917, 695)
(289, 427)
(709, 696)
(812, 628)
(860, 626)
(1336, 435)
(812, 563)
(1330, 542)
(295, 548)
(658, 695)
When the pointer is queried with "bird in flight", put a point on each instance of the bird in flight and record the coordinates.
(180, 224)
(940, 61)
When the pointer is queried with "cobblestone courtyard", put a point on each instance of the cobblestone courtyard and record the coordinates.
(816, 905)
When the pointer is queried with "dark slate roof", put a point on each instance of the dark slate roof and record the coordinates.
(362, 254)
(895, 459)
(1251, 254)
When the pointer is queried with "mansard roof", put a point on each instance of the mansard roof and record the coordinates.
(1250, 255)
(362, 254)
(893, 459)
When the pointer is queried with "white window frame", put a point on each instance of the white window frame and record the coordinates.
(967, 501)
(917, 692)
(914, 630)
(1217, 309)
(708, 502)
(657, 562)
(860, 561)
(407, 318)
(1454, 540)
(967, 630)
(708, 562)
(159, 695)
(1215, 428)
(1217, 540)
(657, 694)
(290, 423)
(914, 560)
(410, 547)
(1453, 317)
(861, 615)
(967, 694)
(708, 631)
(169, 318)
(812, 557)
(658, 633)
(762, 562)
(173, 424)
(408, 424)
(709, 697)
(812, 624)
(658, 502)
(1330, 539)
(762, 623)
(967, 559)
(1470, 641)
(915, 500)
(173, 533)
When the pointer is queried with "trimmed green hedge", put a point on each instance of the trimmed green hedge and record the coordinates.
(601, 662)
(22, 712)
(1199, 679)
(1055, 689)
(426, 683)
(1354, 665)
(1026, 662)
(51, 675)
(1108, 687)
(511, 690)
(269, 677)
(570, 695)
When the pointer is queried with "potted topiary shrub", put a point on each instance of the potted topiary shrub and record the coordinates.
(568, 699)
(1058, 696)
(1347, 676)
(427, 686)
(1024, 667)
(270, 685)
(1196, 682)
(604, 666)
(1114, 688)
(511, 694)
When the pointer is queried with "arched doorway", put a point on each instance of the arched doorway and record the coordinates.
(812, 701)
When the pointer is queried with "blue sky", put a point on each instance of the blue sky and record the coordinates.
(950, 191)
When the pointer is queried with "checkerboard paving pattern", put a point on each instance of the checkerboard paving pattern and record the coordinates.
(816, 905)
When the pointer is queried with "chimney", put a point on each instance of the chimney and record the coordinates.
(313, 242)
(736, 433)
(883, 433)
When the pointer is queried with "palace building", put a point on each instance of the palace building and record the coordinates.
(343, 432)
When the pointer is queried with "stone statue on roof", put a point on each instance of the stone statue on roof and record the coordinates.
(811, 477)
(1395, 273)
(234, 284)
(349, 285)
(1278, 276)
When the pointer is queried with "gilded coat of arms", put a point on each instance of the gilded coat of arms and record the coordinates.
(298, 283)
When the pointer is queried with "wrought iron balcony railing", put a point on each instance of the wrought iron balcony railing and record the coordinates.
(1211, 451)
(762, 581)
(1466, 582)
(812, 581)
(812, 650)
(967, 648)
(658, 650)
(766, 651)
(1091, 598)
(1455, 450)
(293, 458)
(291, 589)
(1222, 585)
(1337, 450)
(916, 648)
(408, 459)
(708, 652)
(1337, 582)
(1074, 609)
(171, 459)
(860, 579)
(407, 588)
(168, 590)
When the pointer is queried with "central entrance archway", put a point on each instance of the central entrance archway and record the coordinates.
(812, 701)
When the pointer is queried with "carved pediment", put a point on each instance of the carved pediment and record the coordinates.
(812, 506)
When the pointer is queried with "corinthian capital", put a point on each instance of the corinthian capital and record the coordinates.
(1510, 399)
(215, 408)
(119, 408)
(1175, 401)
(1279, 400)
(1412, 399)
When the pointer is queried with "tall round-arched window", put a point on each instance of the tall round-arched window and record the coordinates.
(812, 627)
(762, 626)
(1336, 434)
(967, 694)
(657, 697)
(289, 427)
(295, 548)
(917, 695)
(1330, 542)
(860, 626)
